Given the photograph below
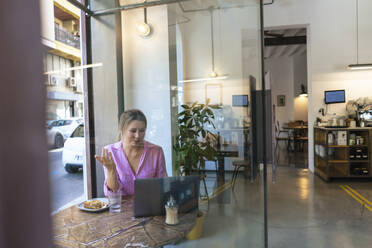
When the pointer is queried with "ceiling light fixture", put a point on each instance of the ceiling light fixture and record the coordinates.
(74, 68)
(143, 28)
(358, 66)
(203, 79)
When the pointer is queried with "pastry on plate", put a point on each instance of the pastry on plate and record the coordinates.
(94, 204)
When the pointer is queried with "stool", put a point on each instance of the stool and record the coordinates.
(202, 177)
(237, 165)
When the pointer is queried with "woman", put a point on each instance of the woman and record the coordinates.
(131, 157)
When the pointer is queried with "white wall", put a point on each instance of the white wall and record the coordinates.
(105, 90)
(300, 77)
(146, 75)
(299, 73)
(281, 80)
(236, 54)
(331, 46)
(301, 108)
(236, 51)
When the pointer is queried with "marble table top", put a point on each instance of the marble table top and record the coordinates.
(73, 227)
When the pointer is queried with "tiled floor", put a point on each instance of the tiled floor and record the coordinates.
(303, 211)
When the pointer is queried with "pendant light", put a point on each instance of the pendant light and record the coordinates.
(358, 66)
(143, 28)
(213, 74)
(303, 91)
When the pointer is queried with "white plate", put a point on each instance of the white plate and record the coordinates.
(105, 200)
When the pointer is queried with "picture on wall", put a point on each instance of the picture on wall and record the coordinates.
(281, 100)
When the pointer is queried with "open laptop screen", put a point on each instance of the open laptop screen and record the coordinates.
(151, 195)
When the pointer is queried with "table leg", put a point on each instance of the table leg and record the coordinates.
(221, 169)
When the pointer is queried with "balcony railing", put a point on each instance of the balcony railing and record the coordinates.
(66, 37)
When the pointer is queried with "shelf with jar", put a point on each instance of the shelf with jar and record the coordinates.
(342, 152)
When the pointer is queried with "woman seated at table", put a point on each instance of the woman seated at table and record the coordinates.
(131, 157)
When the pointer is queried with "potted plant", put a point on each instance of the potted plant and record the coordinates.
(195, 143)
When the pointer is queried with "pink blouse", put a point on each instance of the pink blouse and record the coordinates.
(152, 164)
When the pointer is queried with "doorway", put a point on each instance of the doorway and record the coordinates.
(286, 72)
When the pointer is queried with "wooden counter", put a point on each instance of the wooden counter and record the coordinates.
(344, 160)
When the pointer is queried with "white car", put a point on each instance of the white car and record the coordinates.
(74, 150)
(54, 137)
(66, 126)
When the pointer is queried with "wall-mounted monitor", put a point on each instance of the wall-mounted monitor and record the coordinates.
(334, 96)
(240, 100)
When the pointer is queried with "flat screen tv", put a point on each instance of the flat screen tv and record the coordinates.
(334, 96)
(240, 100)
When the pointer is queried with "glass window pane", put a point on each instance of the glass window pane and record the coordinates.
(65, 135)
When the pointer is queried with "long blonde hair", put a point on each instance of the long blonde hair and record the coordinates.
(128, 116)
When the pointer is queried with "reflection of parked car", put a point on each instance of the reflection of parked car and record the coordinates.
(73, 151)
(66, 126)
(54, 137)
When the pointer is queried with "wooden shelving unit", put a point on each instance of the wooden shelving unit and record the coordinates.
(333, 160)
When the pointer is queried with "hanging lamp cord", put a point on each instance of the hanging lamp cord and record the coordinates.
(145, 13)
(212, 41)
(357, 29)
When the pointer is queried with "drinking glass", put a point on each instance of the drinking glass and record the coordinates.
(115, 201)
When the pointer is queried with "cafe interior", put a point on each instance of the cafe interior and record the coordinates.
(279, 94)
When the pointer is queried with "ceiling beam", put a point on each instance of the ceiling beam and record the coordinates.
(297, 50)
(281, 41)
(291, 49)
(280, 51)
(302, 50)
(269, 52)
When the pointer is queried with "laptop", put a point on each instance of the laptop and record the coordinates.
(151, 195)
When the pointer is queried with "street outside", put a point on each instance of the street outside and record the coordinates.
(65, 187)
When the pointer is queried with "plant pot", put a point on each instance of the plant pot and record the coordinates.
(197, 230)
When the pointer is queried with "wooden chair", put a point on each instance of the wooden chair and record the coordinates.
(216, 141)
(241, 163)
(278, 139)
(238, 164)
(202, 178)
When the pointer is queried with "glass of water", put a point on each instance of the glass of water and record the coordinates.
(115, 201)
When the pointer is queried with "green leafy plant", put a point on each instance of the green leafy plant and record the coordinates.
(195, 143)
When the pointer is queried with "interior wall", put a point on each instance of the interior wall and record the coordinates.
(301, 108)
(281, 79)
(299, 73)
(236, 53)
(104, 84)
(300, 78)
(146, 75)
(331, 47)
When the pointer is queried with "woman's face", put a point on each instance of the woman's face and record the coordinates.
(134, 133)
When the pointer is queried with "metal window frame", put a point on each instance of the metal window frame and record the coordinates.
(88, 77)
(86, 9)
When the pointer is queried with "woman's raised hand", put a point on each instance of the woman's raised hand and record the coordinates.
(106, 160)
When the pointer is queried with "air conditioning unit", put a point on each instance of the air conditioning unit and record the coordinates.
(71, 82)
(52, 80)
